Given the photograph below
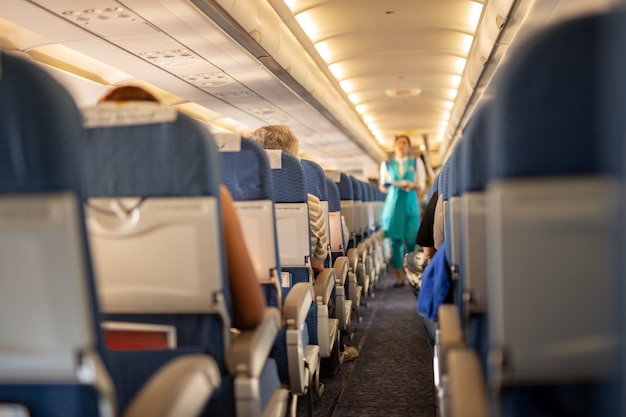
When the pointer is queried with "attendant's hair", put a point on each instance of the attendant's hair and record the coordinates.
(405, 137)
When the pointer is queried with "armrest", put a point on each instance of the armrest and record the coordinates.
(324, 285)
(251, 348)
(450, 326)
(361, 249)
(297, 304)
(341, 269)
(353, 259)
(468, 395)
(180, 388)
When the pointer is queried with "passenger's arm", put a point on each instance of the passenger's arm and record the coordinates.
(319, 233)
(438, 236)
(248, 299)
(425, 232)
(429, 252)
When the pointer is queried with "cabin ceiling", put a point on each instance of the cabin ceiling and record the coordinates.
(346, 75)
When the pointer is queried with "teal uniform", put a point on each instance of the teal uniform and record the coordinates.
(400, 218)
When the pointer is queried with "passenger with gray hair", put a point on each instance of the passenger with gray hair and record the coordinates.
(282, 137)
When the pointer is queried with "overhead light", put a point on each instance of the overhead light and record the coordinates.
(455, 80)
(466, 44)
(448, 104)
(307, 24)
(361, 108)
(336, 70)
(291, 4)
(354, 98)
(476, 9)
(347, 86)
(460, 64)
(323, 50)
(452, 93)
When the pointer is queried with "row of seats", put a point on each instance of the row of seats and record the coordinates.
(111, 236)
(270, 188)
(531, 209)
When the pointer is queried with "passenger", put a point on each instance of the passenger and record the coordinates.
(248, 299)
(425, 236)
(282, 137)
(401, 178)
(128, 93)
(247, 296)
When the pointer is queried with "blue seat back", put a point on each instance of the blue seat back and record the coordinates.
(556, 206)
(334, 200)
(157, 163)
(290, 187)
(474, 162)
(315, 179)
(247, 174)
(50, 322)
(474, 251)
(337, 238)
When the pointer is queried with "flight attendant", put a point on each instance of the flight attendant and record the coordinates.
(401, 178)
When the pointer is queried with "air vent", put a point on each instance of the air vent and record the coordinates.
(171, 58)
(261, 110)
(87, 16)
(230, 95)
(209, 79)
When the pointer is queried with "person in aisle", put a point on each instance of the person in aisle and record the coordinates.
(402, 178)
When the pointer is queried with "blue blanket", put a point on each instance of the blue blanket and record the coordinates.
(435, 285)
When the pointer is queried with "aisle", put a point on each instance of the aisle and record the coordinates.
(393, 375)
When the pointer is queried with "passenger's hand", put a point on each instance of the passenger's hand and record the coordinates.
(317, 265)
(429, 252)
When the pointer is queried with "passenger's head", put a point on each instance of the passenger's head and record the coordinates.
(128, 93)
(402, 145)
(277, 137)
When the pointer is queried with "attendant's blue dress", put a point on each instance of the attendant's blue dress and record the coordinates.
(400, 218)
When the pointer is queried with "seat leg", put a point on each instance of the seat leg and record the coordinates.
(294, 405)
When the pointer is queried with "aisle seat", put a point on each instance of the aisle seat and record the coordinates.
(53, 361)
(351, 286)
(316, 185)
(294, 246)
(153, 217)
(550, 230)
(247, 174)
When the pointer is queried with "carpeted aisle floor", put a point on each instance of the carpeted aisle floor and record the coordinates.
(393, 375)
